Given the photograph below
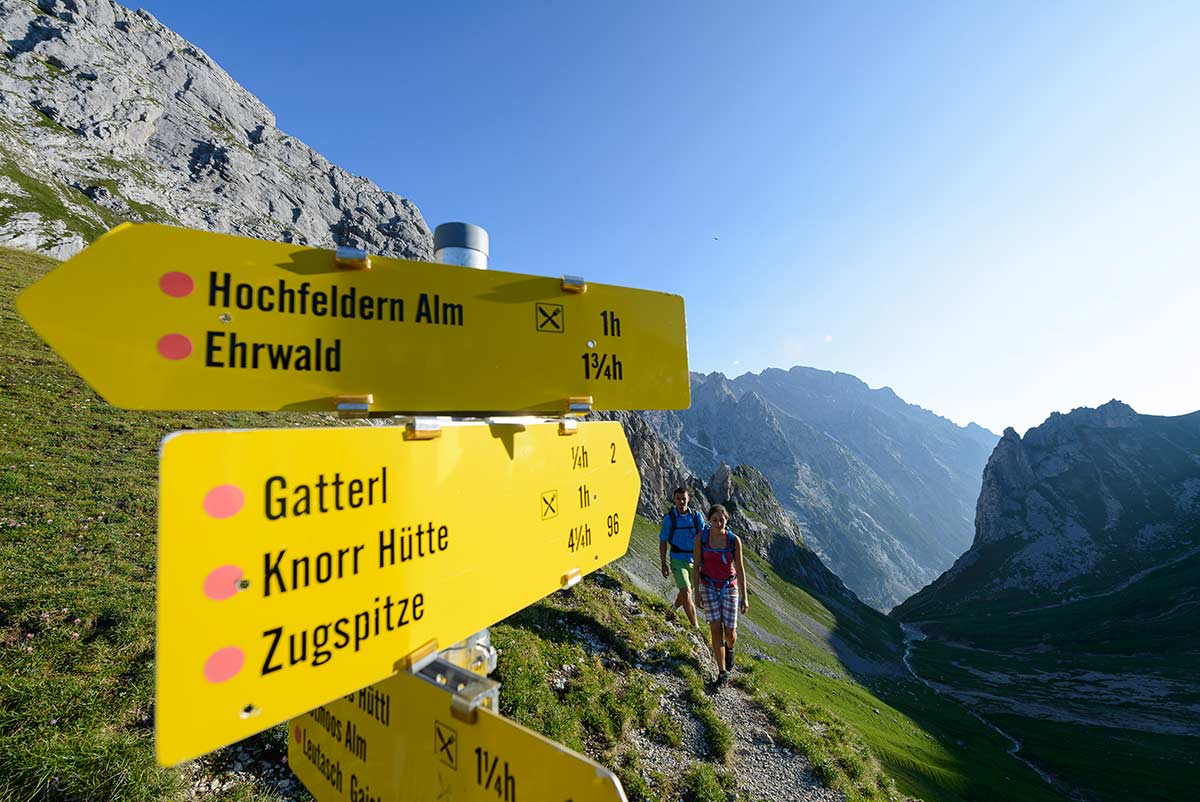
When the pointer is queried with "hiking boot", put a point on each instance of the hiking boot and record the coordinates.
(729, 658)
(722, 678)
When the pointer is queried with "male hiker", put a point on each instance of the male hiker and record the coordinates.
(678, 534)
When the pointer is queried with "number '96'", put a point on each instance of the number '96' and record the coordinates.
(614, 524)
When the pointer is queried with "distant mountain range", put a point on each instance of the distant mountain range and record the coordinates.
(755, 512)
(883, 490)
(1073, 621)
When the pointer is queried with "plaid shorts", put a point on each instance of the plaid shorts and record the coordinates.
(719, 606)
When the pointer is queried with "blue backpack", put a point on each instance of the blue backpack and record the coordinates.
(697, 527)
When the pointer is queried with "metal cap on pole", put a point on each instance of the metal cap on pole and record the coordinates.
(461, 244)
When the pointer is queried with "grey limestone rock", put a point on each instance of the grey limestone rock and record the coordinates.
(107, 115)
(1075, 508)
(882, 490)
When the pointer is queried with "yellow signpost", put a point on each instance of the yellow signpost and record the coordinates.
(401, 739)
(297, 565)
(156, 317)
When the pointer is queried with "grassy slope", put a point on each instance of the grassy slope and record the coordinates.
(1085, 661)
(77, 517)
(930, 746)
(78, 500)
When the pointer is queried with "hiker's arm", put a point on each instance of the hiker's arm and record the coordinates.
(696, 557)
(662, 556)
(741, 573)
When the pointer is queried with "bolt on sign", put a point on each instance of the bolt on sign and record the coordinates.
(156, 317)
(401, 739)
(296, 565)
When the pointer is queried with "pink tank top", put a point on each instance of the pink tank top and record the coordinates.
(718, 564)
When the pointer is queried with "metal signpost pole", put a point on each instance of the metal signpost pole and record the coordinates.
(466, 245)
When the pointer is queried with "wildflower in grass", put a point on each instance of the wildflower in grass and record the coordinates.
(53, 721)
(74, 636)
(29, 649)
(28, 636)
(64, 611)
(77, 622)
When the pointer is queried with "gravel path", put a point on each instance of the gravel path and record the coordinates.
(764, 769)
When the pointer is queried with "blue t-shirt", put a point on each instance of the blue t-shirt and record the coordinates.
(687, 526)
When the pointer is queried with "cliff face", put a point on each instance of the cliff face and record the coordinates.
(1080, 505)
(766, 528)
(1075, 607)
(107, 115)
(659, 466)
(883, 490)
(755, 512)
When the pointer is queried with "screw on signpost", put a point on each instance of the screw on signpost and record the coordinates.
(466, 245)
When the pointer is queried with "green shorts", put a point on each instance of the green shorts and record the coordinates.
(682, 571)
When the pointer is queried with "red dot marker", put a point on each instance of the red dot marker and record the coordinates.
(224, 664)
(222, 583)
(298, 737)
(175, 346)
(224, 501)
(176, 284)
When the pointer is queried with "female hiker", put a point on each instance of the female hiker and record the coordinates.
(722, 586)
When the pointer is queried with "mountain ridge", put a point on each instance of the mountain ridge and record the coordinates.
(1056, 508)
(882, 489)
(1072, 621)
(107, 115)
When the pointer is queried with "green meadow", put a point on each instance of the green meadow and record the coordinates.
(77, 605)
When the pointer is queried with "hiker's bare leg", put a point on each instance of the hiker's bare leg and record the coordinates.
(718, 644)
(688, 606)
(730, 636)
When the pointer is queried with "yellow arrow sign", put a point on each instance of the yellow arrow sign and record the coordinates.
(411, 746)
(295, 565)
(156, 317)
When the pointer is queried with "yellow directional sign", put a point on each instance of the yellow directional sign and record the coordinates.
(156, 317)
(295, 565)
(400, 740)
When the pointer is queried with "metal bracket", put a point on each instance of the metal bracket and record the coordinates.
(571, 578)
(568, 427)
(354, 406)
(348, 258)
(574, 284)
(468, 691)
(422, 429)
(476, 653)
(579, 404)
(422, 656)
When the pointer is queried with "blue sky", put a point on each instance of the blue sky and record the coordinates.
(993, 209)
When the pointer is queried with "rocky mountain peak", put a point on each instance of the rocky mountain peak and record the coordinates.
(713, 388)
(107, 115)
(884, 491)
(659, 465)
(1081, 503)
(756, 515)
(720, 487)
